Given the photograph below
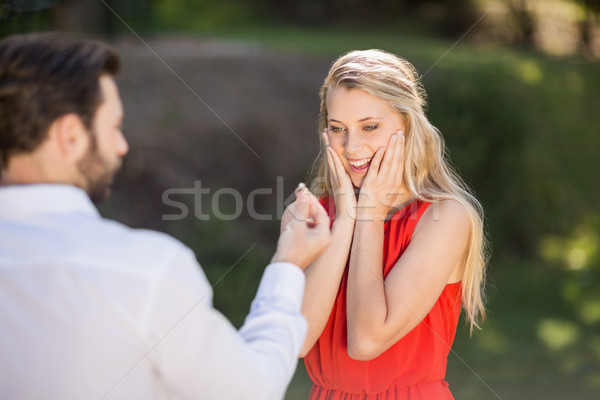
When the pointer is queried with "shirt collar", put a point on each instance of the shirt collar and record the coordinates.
(21, 200)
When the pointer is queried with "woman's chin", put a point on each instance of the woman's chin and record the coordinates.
(357, 181)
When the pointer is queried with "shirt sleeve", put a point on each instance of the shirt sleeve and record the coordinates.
(198, 354)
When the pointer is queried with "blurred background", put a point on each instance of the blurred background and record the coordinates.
(223, 95)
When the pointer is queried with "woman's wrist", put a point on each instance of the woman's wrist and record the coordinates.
(343, 220)
(371, 212)
(369, 221)
(345, 209)
(344, 213)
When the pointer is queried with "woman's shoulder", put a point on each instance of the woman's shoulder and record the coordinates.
(451, 207)
(449, 213)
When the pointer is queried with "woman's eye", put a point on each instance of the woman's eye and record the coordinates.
(336, 129)
(370, 127)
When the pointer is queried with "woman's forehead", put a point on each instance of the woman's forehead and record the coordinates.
(356, 104)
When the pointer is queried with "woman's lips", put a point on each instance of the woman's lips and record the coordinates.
(360, 166)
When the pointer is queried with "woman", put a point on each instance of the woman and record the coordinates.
(383, 302)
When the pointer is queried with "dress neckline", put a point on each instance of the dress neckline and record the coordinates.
(409, 204)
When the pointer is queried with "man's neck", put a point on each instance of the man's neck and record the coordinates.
(23, 170)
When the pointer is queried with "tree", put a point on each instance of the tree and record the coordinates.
(525, 22)
(587, 25)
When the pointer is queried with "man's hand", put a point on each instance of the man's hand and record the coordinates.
(304, 231)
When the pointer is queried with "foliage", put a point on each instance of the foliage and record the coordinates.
(199, 16)
(522, 22)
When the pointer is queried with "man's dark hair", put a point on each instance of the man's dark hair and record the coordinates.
(44, 76)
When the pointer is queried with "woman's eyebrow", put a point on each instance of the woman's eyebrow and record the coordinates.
(368, 118)
(360, 120)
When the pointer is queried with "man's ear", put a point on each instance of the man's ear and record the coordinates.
(70, 136)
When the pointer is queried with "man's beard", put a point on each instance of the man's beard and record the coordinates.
(98, 172)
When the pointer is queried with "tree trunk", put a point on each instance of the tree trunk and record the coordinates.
(525, 22)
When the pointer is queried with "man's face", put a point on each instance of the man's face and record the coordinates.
(107, 144)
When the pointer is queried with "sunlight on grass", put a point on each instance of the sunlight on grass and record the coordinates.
(529, 72)
(493, 341)
(576, 251)
(571, 291)
(590, 311)
(574, 82)
(557, 334)
(595, 347)
(593, 378)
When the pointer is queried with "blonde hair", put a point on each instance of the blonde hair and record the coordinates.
(428, 174)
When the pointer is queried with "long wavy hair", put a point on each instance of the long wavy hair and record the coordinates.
(428, 174)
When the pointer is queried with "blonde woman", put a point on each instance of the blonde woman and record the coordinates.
(383, 302)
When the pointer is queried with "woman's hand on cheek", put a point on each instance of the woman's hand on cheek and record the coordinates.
(341, 184)
(383, 184)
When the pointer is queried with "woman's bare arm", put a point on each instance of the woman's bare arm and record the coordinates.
(381, 312)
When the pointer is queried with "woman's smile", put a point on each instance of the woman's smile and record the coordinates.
(360, 166)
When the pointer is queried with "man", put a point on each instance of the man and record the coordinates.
(90, 309)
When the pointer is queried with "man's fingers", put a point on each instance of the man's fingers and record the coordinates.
(321, 218)
(300, 209)
(313, 203)
(308, 211)
(300, 188)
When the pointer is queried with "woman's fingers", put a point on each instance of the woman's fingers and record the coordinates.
(338, 167)
(336, 161)
(392, 163)
(375, 163)
(383, 182)
(401, 152)
(330, 163)
(340, 180)
(390, 156)
(333, 162)
(325, 135)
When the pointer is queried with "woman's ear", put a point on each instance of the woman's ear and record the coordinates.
(70, 137)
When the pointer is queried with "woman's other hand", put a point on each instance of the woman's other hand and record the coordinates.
(383, 189)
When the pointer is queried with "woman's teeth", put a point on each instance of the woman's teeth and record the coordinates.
(360, 163)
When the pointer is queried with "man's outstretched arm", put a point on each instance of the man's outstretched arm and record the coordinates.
(201, 355)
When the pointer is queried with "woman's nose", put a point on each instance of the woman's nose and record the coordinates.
(353, 142)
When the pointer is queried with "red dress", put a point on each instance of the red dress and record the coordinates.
(415, 366)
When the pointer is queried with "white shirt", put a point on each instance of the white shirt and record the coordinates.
(91, 309)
